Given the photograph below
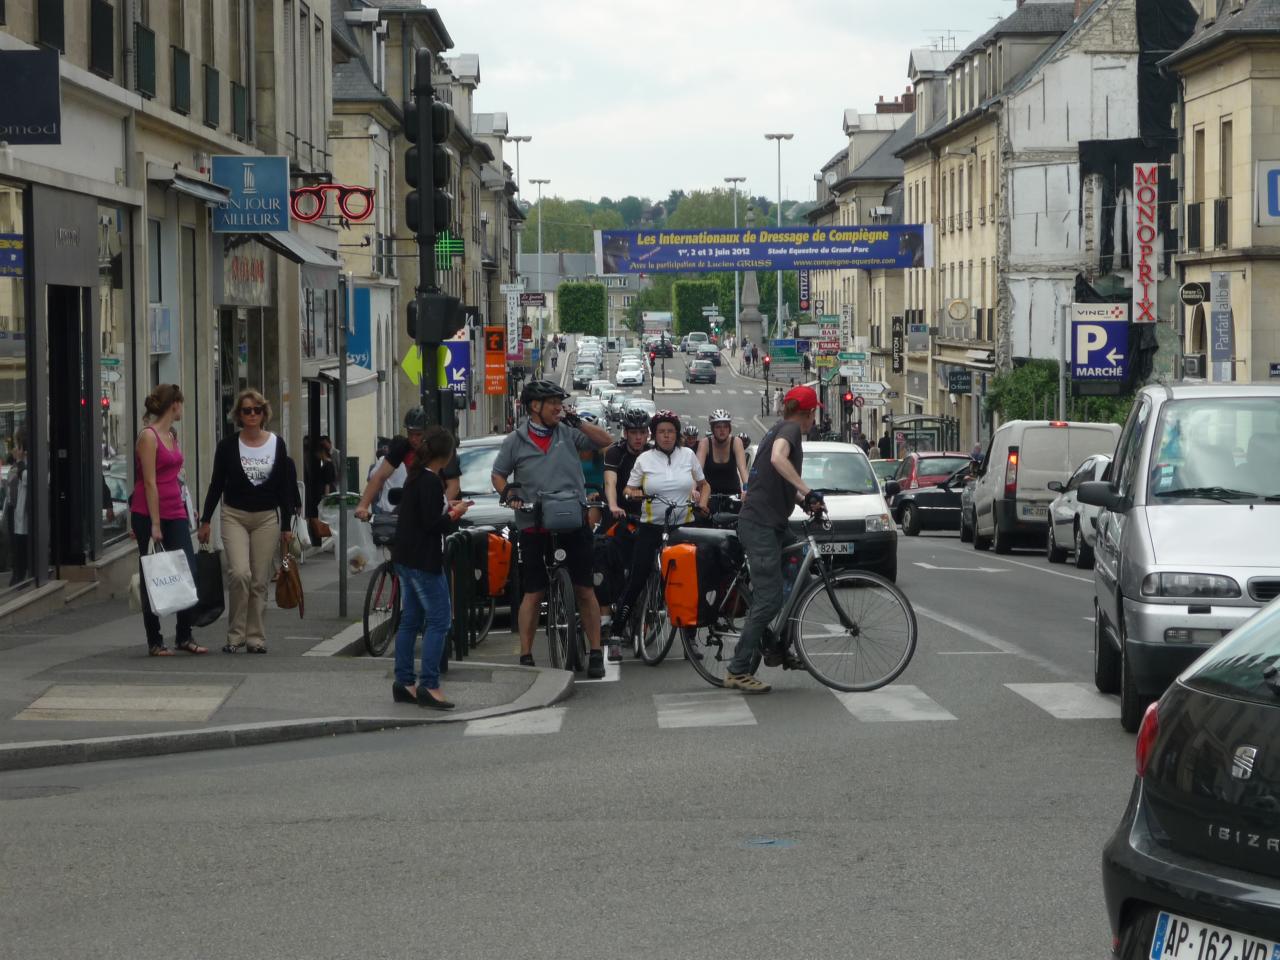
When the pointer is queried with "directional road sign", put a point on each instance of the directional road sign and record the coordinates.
(1099, 341)
(872, 389)
(853, 356)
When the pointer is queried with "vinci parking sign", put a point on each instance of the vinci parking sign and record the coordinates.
(1099, 341)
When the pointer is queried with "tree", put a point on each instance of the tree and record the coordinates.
(655, 298)
(632, 209)
(688, 297)
(582, 308)
(702, 209)
(1030, 392)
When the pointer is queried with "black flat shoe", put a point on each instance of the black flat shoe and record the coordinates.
(401, 694)
(261, 649)
(431, 703)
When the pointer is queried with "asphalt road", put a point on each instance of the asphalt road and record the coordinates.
(959, 813)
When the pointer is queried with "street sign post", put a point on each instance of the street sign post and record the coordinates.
(869, 389)
(1099, 342)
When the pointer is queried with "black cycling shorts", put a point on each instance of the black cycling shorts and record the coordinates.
(533, 548)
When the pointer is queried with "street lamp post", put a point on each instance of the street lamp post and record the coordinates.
(737, 307)
(517, 140)
(543, 308)
(779, 137)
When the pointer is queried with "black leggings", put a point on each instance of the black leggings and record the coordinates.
(645, 545)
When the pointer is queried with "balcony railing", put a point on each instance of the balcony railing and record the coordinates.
(1222, 223)
(1195, 226)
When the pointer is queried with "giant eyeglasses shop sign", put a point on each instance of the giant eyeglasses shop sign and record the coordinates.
(259, 200)
(879, 247)
(31, 111)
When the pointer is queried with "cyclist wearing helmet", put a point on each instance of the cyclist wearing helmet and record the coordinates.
(723, 456)
(542, 456)
(397, 461)
(669, 471)
(621, 457)
(689, 437)
(592, 470)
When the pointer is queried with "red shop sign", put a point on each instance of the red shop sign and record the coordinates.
(309, 204)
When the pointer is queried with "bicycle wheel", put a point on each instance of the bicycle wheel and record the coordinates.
(655, 633)
(562, 620)
(878, 646)
(381, 609)
(710, 649)
(484, 613)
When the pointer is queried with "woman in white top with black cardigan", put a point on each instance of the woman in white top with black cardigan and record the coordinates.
(251, 477)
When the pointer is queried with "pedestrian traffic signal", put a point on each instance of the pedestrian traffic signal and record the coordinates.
(848, 397)
(652, 356)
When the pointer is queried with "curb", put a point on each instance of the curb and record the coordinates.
(548, 688)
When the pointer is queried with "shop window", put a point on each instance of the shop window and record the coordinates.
(115, 372)
(102, 38)
(155, 287)
(15, 480)
(51, 24)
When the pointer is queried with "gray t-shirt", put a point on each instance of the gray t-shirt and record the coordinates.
(559, 470)
(770, 499)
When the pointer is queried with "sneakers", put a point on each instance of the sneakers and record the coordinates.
(615, 652)
(746, 683)
(595, 665)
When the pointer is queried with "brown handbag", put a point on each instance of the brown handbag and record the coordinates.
(289, 587)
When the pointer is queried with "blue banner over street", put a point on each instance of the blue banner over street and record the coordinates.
(876, 247)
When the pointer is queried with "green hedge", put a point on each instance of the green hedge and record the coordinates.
(688, 297)
(582, 308)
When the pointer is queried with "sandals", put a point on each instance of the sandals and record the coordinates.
(159, 650)
(190, 646)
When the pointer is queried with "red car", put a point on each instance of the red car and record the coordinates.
(928, 469)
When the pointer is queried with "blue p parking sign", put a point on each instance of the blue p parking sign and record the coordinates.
(1099, 341)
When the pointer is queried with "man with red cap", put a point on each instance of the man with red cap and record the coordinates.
(774, 487)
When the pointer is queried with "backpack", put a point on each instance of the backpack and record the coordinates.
(491, 553)
(696, 574)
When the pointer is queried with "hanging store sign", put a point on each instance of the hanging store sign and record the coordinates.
(259, 194)
(1145, 244)
(309, 204)
(897, 344)
(884, 247)
(802, 284)
(495, 361)
(32, 111)
(1222, 334)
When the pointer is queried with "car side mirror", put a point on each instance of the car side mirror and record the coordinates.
(1099, 493)
(892, 488)
(1055, 486)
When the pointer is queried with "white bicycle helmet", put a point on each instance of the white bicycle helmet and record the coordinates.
(719, 416)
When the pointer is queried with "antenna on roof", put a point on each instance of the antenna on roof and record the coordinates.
(944, 38)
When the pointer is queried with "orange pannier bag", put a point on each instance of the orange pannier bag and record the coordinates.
(497, 565)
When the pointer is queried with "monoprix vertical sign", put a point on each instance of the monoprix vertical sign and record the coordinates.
(1146, 241)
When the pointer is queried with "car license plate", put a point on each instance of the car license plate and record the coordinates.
(1178, 938)
(1033, 512)
(840, 548)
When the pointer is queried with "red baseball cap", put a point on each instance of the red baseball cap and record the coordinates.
(804, 397)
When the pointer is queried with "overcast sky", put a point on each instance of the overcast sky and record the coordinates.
(648, 97)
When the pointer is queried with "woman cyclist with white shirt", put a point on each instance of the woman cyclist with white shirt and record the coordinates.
(669, 471)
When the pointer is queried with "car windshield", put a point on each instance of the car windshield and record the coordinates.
(648, 406)
(941, 466)
(701, 365)
(591, 406)
(884, 469)
(838, 473)
(585, 368)
(1238, 666)
(477, 469)
(1217, 449)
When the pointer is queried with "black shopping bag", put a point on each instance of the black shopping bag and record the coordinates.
(210, 604)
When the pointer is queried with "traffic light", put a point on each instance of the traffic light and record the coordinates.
(848, 398)
(428, 124)
(652, 356)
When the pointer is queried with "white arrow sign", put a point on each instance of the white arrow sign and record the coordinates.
(865, 389)
(930, 566)
(1114, 357)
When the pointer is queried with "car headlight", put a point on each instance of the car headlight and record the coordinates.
(880, 524)
(1194, 585)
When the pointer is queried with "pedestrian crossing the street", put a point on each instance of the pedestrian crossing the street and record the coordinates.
(896, 703)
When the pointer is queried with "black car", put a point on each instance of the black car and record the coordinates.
(700, 371)
(1193, 870)
(932, 508)
(662, 348)
(583, 374)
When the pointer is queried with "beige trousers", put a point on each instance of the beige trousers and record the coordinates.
(249, 540)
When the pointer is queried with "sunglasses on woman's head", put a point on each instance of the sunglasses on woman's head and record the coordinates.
(256, 411)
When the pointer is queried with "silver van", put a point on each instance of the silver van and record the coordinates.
(1188, 540)
(1011, 496)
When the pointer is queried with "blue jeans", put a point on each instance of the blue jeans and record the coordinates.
(763, 546)
(424, 600)
(174, 535)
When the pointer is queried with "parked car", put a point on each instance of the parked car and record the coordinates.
(933, 507)
(583, 374)
(1071, 521)
(1187, 534)
(630, 374)
(917, 470)
(708, 351)
(700, 371)
(1193, 868)
(862, 531)
(1011, 498)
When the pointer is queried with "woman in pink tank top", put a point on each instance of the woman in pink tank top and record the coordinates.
(158, 511)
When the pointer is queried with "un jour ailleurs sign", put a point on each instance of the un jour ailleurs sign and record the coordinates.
(1145, 243)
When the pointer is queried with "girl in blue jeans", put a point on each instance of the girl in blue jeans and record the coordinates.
(424, 516)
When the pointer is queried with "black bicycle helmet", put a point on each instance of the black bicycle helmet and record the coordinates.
(541, 390)
(664, 416)
(635, 420)
(746, 440)
(416, 419)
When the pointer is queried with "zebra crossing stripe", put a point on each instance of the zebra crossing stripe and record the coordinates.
(710, 708)
(529, 722)
(893, 703)
(1069, 701)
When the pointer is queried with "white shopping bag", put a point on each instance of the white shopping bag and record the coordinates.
(170, 584)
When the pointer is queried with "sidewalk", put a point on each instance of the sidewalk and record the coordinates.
(79, 686)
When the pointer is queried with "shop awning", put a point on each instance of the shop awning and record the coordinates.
(202, 190)
(360, 381)
(319, 270)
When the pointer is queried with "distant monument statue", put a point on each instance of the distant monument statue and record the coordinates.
(751, 320)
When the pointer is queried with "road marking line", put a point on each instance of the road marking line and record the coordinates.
(972, 653)
(700, 391)
(733, 393)
(1019, 563)
(711, 708)
(991, 640)
(930, 566)
(1069, 701)
(893, 704)
(517, 724)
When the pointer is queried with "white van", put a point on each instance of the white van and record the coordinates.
(1011, 496)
